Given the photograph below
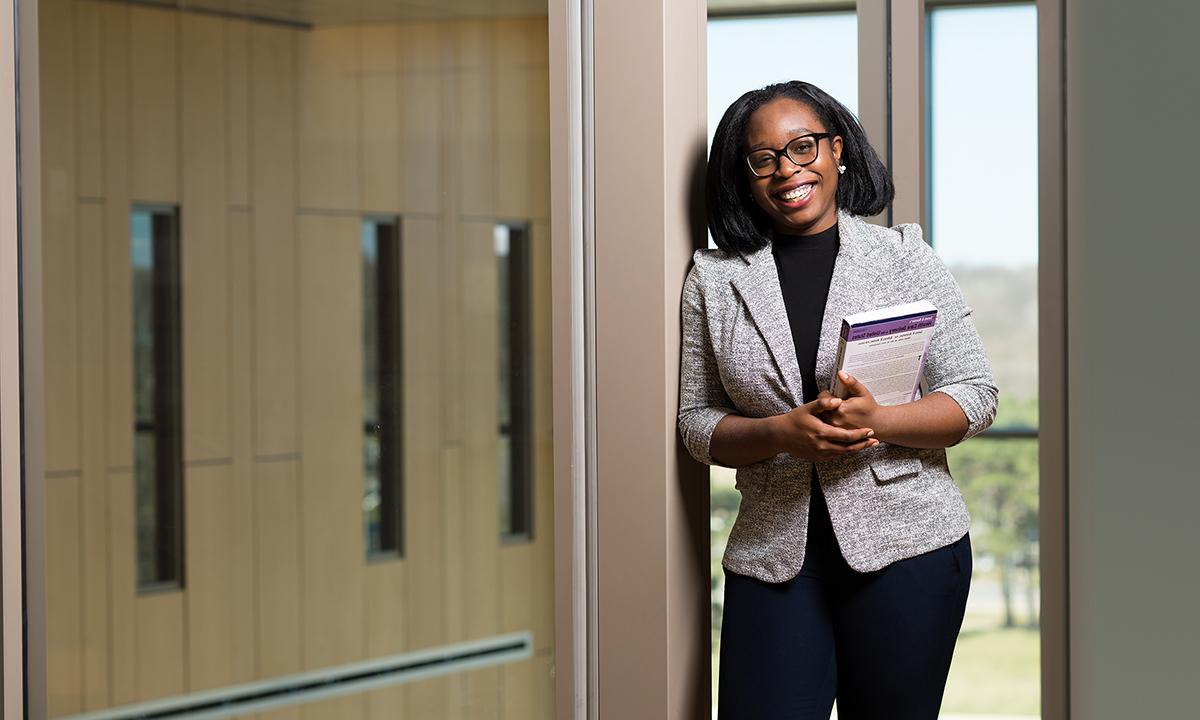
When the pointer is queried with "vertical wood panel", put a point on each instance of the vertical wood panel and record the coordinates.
(425, 616)
(64, 636)
(88, 98)
(385, 611)
(473, 153)
(243, 508)
(118, 276)
(514, 111)
(331, 438)
(277, 530)
(154, 98)
(204, 240)
(59, 250)
(160, 645)
(380, 117)
(94, 514)
(273, 112)
(237, 108)
(422, 167)
(122, 588)
(210, 524)
(328, 117)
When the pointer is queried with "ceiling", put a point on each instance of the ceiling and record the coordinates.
(341, 12)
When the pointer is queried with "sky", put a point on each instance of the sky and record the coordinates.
(983, 102)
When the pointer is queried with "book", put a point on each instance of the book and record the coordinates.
(885, 350)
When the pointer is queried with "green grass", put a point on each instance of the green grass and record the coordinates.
(995, 670)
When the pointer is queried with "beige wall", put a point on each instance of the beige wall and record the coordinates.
(274, 141)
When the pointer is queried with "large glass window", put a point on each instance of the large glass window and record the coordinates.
(984, 224)
(318, 346)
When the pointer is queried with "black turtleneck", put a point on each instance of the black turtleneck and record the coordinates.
(805, 265)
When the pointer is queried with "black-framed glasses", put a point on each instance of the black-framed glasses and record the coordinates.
(800, 150)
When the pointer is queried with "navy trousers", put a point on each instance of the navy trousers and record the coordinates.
(878, 642)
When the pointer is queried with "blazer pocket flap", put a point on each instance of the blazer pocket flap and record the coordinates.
(887, 469)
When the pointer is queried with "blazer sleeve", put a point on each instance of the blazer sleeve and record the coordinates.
(956, 363)
(702, 398)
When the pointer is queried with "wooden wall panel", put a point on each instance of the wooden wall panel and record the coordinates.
(88, 97)
(385, 609)
(118, 304)
(154, 99)
(331, 438)
(59, 247)
(160, 644)
(204, 256)
(223, 123)
(273, 112)
(243, 498)
(94, 520)
(379, 103)
(422, 166)
(237, 109)
(277, 528)
(425, 599)
(328, 118)
(64, 635)
(478, 502)
(213, 640)
(512, 78)
(474, 153)
(122, 588)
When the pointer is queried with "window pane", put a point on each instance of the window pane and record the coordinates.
(154, 250)
(338, 360)
(983, 94)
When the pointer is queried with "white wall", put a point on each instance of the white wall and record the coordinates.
(1133, 162)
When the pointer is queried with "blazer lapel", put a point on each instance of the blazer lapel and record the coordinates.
(850, 290)
(758, 286)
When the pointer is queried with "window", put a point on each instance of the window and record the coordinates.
(158, 475)
(383, 399)
(983, 89)
(514, 381)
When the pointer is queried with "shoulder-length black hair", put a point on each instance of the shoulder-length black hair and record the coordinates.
(737, 223)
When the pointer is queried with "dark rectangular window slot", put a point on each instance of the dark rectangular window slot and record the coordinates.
(515, 400)
(383, 388)
(157, 397)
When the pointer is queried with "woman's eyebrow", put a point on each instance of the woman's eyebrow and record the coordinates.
(792, 134)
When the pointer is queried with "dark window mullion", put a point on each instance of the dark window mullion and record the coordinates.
(167, 376)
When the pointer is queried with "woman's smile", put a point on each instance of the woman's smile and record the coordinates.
(795, 195)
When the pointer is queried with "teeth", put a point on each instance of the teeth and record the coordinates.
(797, 193)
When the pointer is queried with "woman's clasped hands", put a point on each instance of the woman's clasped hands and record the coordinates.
(829, 427)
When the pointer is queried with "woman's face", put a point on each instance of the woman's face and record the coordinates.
(782, 194)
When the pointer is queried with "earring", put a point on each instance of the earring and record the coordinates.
(841, 169)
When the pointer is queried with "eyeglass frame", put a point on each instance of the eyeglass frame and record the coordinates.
(783, 151)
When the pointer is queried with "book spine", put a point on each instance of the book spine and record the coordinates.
(835, 387)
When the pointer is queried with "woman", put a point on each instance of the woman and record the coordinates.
(847, 569)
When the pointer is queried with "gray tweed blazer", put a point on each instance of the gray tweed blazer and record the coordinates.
(888, 502)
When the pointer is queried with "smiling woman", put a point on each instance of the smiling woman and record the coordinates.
(851, 532)
(768, 126)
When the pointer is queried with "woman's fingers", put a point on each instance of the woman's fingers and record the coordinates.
(843, 436)
(853, 386)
